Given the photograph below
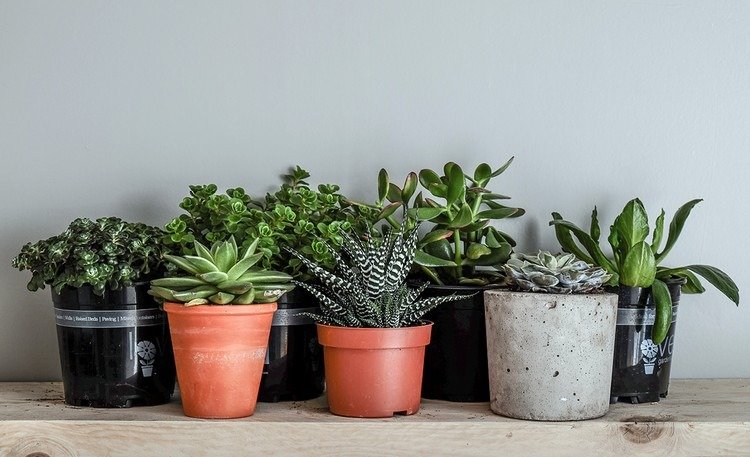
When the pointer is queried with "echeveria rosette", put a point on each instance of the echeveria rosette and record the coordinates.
(636, 259)
(107, 252)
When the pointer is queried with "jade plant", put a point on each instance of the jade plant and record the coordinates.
(368, 286)
(221, 276)
(462, 247)
(295, 215)
(555, 274)
(105, 253)
(636, 261)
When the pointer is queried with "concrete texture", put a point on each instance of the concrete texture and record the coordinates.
(550, 356)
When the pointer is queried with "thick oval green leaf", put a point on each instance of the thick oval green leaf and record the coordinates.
(497, 256)
(214, 277)
(441, 249)
(632, 224)
(477, 250)
(456, 185)
(663, 302)
(435, 235)
(428, 178)
(177, 283)
(388, 210)
(382, 185)
(638, 269)
(718, 279)
(425, 213)
(427, 260)
(394, 193)
(410, 186)
(462, 219)
(496, 214)
(692, 285)
(675, 227)
(482, 174)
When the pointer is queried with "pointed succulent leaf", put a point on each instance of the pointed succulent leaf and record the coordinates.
(225, 257)
(214, 277)
(203, 251)
(221, 298)
(241, 267)
(201, 264)
(177, 283)
(182, 264)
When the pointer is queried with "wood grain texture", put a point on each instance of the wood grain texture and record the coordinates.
(700, 417)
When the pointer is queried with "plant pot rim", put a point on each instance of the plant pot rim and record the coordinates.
(374, 337)
(220, 310)
(547, 294)
(464, 287)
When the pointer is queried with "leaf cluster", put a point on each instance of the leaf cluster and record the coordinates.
(636, 260)
(367, 287)
(462, 242)
(107, 252)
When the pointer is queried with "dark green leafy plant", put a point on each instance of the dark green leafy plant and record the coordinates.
(221, 276)
(461, 245)
(309, 221)
(636, 262)
(367, 287)
(104, 253)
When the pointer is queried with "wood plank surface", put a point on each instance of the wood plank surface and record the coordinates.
(700, 417)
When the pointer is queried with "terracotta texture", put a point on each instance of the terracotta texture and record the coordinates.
(550, 355)
(219, 353)
(374, 372)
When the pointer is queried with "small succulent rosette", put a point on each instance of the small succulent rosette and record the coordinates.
(554, 274)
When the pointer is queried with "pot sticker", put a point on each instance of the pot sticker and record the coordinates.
(649, 351)
(146, 351)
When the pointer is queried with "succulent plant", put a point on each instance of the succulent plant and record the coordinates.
(636, 262)
(107, 252)
(368, 286)
(222, 277)
(462, 247)
(561, 274)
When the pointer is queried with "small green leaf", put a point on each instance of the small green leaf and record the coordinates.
(410, 186)
(462, 219)
(225, 257)
(388, 210)
(595, 252)
(718, 279)
(675, 227)
(663, 302)
(428, 178)
(499, 213)
(500, 170)
(638, 269)
(456, 185)
(427, 260)
(477, 250)
(497, 256)
(425, 213)
(382, 185)
(482, 174)
(221, 298)
(242, 266)
(214, 277)
(394, 193)
(658, 232)
(203, 251)
(182, 264)
(435, 235)
(596, 232)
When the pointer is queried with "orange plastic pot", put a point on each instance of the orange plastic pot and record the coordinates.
(219, 353)
(374, 372)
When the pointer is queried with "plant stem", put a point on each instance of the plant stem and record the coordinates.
(457, 253)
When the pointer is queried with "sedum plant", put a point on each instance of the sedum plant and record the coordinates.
(462, 245)
(368, 286)
(547, 273)
(105, 253)
(636, 260)
(295, 215)
(220, 276)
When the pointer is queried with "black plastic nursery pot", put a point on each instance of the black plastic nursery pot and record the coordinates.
(294, 361)
(115, 349)
(455, 367)
(641, 369)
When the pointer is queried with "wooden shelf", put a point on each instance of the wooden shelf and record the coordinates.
(700, 417)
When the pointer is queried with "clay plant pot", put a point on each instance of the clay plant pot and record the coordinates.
(550, 354)
(374, 372)
(219, 352)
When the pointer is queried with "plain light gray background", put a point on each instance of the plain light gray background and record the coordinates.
(114, 108)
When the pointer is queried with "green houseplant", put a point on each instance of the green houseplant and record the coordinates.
(370, 327)
(461, 252)
(307, 219)
(643, 282)
(220, 312)
(98, 271)
(550, 339)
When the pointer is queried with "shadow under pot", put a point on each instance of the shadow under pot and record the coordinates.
(642, 368)
(115, 349)
(455, 367)
(293, 370)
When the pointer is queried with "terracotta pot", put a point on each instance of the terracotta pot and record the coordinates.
(374, 372)
(219, 352)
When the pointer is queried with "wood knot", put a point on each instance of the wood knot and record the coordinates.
(642, 429)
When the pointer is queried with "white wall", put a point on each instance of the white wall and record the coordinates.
(113, 108)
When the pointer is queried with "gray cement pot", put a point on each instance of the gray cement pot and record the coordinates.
(549, 355)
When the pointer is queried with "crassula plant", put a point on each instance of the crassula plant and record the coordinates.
(636, 260)
(105, 253)
(555, 274)
(221, 275)
(367, 287)
(295, 215)
(462, 247)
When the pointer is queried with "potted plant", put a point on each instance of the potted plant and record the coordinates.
(648, 292)
(295, 215)
(220, 312)
(370, 325)
(460, 253)
(113, 339)
(550, 339)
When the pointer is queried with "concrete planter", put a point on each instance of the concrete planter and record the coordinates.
(550, 356)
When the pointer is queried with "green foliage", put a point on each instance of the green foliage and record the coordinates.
(636, 263)
(221, 276)
(368, 287)
(462, 244)
(561, 274)
(309, 221)
(104, 253)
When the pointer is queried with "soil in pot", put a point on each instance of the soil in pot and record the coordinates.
(374, 372)
(115, 349)
(219, 352)
(641, 368)
(456, 359)
(293, 369)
